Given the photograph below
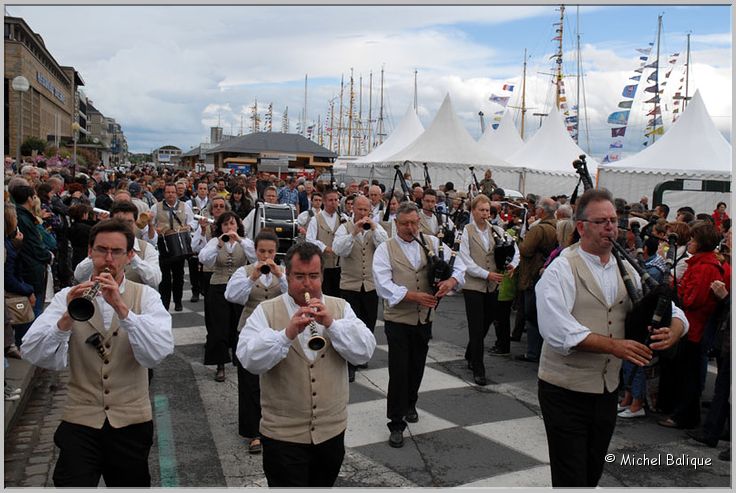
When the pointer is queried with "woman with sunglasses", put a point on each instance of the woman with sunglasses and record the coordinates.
(224, 253)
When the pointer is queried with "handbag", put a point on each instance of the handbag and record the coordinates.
(20, 309)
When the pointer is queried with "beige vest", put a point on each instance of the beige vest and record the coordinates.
(162, 217)
(130, 274)
(326, 236)
(208, 237)
(484, 259)
(403, 274)
(258, 293)
(227, 263)
(357, 268)
(115, 388)
(389, 226)
(583, 371)
(301, 401)
(424, 226)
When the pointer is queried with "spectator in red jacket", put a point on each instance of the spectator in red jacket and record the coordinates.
(699, 304)
(719, 215)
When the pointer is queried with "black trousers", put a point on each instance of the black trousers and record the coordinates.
(119, 455)
(222, 326)
(172, 280)
(300, 465)
(195, 272)
(688, 361)
(720, 408)
(407, 354)
(365, 305)
(249, 402)
(502, 324)
(579, 427)
(481, 311)
(331, 282)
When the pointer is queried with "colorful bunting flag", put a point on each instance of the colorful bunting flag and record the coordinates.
(508, 87)
(655, 99)
(618, 132)
(636, 77)
(644, 50)
(651, 89)
(625, 104)
(629, 91)
(502, 100)
(618, 117)
(654, 64)
(655, 111)
(655, 122)
(494, 126)
(657, 131)
(617, 144)
(652, 77)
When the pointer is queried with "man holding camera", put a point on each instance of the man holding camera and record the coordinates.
(402, 267)
(356, 242)
(107, 426)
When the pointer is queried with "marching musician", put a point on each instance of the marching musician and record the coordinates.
(377, 205)
(143, 267)
(401, 277)
(429, 223)
(356, 242)
(582, 304)
(225, 253)
(393, 206)
(304, 392)
(321, 232)
(482, 280)
(107, 426)
(270, 196)
(171, 216)
(205, 226)
(249, 286)
(199, 204)
(305, 217)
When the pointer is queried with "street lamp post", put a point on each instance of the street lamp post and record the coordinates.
(20, 84)
(75, 136)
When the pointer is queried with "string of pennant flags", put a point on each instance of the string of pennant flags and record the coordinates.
(501, 100)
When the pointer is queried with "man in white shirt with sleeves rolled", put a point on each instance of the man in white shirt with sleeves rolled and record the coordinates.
(582, 305)
(304, 386)
(107, 426)
(401, 274)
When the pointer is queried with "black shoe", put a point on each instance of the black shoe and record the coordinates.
(524, 357)
(516, 338)
(725, 455)
(705, 404)
(396, 440)
(470, 365)
(194, 298)
(480, 380)
(497, 351)
(412, 416)
(700, 437)
(178, 307)
(363, 366)
(351, 374)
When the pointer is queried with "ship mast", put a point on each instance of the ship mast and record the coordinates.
(558, 76)
(379, 129)
(339, 123)
(370, 112)
(304, 119)
(332, 121)
(656, 82)
(350, 111)
(523, 97)
(687, 74)
(416, 104)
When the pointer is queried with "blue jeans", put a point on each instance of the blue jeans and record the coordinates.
(635, 380)
(533, 337)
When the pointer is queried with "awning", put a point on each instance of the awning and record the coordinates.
(240, 160)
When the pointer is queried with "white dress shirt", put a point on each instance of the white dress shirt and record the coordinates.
(240, 285)
(383, 275)
(342, 245)
(434, 224)
(473, 268)
(556, 297)
(303, 218)
(261, 347)
(149, 332)
(148, 267)
(313, 227)
(208, 254)
(199, 203)
(248, 223)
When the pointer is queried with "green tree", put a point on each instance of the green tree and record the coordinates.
(32, 144)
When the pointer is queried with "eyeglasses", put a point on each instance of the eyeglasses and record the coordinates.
(115, 252)
(613, 221)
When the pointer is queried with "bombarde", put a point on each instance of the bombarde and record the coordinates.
(316, 342)
(199, 218)
(81, 309)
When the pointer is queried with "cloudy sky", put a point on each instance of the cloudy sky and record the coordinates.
(168, 73)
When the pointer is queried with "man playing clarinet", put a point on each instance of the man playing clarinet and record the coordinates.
(582, 304)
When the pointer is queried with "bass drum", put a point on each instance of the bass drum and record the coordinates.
(282, 219)
(175, 245)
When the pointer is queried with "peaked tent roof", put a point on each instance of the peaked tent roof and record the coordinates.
(273, 141)
(404, 134)
(505, 140)
(551, 149)
(692, 144)
(447, 141)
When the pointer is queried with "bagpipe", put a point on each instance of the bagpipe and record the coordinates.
(652, 304)
(404, 188)
(438, 269)
(503, 250)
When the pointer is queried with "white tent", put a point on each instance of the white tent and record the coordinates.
(504, 140)
(448, 149)
(692, 149)
(547, 159)
(404, 134)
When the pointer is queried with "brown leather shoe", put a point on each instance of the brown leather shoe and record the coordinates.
(220, 375)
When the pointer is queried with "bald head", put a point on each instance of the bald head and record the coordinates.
(361, 207)
(548, 206)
